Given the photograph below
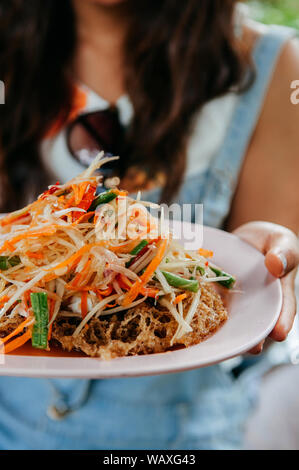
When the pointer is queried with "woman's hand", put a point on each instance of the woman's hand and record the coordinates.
(281, 249)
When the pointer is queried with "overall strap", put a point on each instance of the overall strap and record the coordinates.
(227, 163)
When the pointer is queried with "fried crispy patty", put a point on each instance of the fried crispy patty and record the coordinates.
(145, 329)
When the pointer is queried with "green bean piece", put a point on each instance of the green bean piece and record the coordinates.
(201, 270)
(139, 247)
(181, 283)
(7, 262)
(136, 251)
(39, 303)
(229, 283)
(102, 198)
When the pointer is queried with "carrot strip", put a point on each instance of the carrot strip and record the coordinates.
(179, 298)
(36, 255)
(70, 202)
(69, 261)
(9, 244)
(119, 192)
(149, 292)
(206, 253)
(79, 277)
(84, 305)
(17, 330)
(51, 311)
(86, 197)
(3, 299)
(145, 277)
(105, 292)
(16, 343)
(82, 218)
(124, 282)
(125, 248)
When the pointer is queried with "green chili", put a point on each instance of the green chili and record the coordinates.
(181, 283)
(7, 262)
(39, 303)
(102, 198)
(228, 283)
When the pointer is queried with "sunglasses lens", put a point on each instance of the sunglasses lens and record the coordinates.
(95, 132)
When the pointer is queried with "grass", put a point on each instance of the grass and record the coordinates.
(285, 12)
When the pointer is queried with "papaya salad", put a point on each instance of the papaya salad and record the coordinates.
(92, 271)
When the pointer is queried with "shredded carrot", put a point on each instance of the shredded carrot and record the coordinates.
(8, 219)
(179, 298)
(149, 292)
(9, 245)
(84, 196)
(145, 277)
(124, 248)
(3, 300)
(52, 305)
(69, 261)
(26, 300)
(105, 292)
(119, 192)
(16, 343)
(84, 305)
(206, 253)
(83, 217)
(17, 330)
(35, 254)
(124, 282)
(70, 202)
(78, 280)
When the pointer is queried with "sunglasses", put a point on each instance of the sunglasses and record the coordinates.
(94, 132)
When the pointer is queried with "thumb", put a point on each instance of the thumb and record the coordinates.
(279, 245)
(282, 253)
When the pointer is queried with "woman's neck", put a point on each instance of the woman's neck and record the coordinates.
(97, 21)
(98, 60)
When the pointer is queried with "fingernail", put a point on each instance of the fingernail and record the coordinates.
(284, 262)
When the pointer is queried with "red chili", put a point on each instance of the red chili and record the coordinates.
(85, 202)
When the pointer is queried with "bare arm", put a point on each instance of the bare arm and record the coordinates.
(268, 187)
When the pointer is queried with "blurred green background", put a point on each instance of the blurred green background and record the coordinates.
(284, 12)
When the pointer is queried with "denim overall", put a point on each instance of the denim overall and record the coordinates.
(199, 409)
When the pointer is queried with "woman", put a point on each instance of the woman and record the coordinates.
(203, 100)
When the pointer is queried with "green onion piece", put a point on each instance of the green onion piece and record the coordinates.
(181, 283)
(229, 283)
(7, 262)
(39, 303)
(102, 198)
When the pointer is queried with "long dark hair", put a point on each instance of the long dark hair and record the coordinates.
(178, 55)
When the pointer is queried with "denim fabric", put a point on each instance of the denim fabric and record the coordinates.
(199, 409)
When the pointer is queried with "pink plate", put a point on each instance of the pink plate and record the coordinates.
(253, 312)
